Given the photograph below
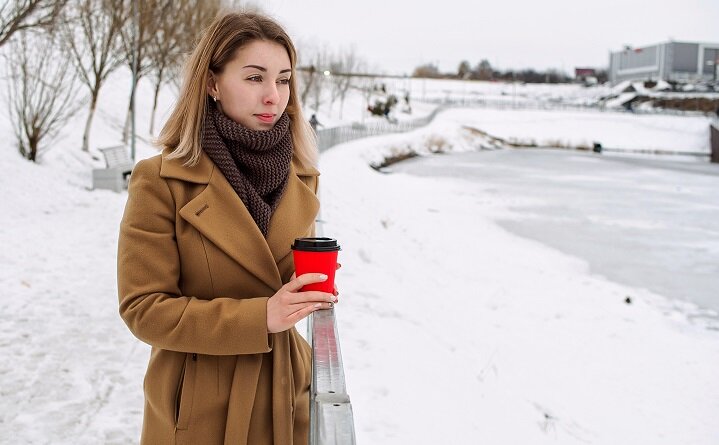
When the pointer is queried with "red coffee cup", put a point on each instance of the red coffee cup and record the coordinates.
(316, 255)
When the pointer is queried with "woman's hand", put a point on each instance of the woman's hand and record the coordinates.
(288, 305)
(335, 291)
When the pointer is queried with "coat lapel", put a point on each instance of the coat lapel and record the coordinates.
(219, 214)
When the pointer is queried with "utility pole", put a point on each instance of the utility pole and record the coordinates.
(135, 54)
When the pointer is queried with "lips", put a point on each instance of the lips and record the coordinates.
(266, 117)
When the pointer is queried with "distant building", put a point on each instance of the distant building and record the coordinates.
(679, 61)
(583, 73)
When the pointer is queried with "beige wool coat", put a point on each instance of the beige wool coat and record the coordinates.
(194, 277)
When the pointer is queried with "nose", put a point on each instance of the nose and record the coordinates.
(271, 96)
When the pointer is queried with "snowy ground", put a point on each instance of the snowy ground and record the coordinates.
(453, 330)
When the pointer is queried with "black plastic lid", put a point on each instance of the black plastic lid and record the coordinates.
(316, 244)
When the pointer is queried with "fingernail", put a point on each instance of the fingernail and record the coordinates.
(323, 277)
(332, 305)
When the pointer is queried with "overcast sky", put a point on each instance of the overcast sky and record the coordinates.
(397, 35)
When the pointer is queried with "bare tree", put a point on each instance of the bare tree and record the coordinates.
(136, 36)
(318, 81)
(368, 88)
(464, 70)
(175, 37)
(41, 93)
(336, 79)
(91, 38)
(140, 34)
(307, 78)
(305, 69)
(483, 70)
(19, 15)
(164, 52)
(344, 64)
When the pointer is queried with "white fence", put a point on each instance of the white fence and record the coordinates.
(330, 137)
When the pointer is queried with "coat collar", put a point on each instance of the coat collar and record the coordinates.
(219, 214)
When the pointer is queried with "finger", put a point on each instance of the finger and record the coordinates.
(312, 296)
(335, 292)
(308, 278)
(304, 312)
(338, 265)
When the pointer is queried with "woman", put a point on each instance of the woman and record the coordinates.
(205, 272)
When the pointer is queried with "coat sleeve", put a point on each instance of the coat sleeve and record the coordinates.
(148, 276)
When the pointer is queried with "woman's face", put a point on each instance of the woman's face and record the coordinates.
(254, 87)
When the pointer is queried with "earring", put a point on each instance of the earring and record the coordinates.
(214, 98)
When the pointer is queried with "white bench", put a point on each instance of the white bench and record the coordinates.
(117, 171)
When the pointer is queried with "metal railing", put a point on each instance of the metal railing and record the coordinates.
(331, 419)
(330, 137)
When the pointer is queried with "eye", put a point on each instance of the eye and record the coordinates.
(283, 81)
(255, 78)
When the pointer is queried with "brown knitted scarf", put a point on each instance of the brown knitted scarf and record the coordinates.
(256, 163)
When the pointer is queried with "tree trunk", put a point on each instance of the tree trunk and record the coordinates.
(33, 142)
(308, 86)
(126, 127)
(154, 105)
(88, 124)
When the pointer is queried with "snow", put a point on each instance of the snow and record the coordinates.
(451, 323)
(620, 100)
(583, 128)
(453, 330)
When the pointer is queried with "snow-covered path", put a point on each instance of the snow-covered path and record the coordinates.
(70, 367)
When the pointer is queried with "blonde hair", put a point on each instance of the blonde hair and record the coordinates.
(218, 44)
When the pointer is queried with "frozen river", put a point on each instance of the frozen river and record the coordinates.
(646, 223)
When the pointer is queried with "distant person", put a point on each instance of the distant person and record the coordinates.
(314, 123)
(205, 274)
(406, 101)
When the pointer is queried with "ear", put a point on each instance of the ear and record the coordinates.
(212, 85)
